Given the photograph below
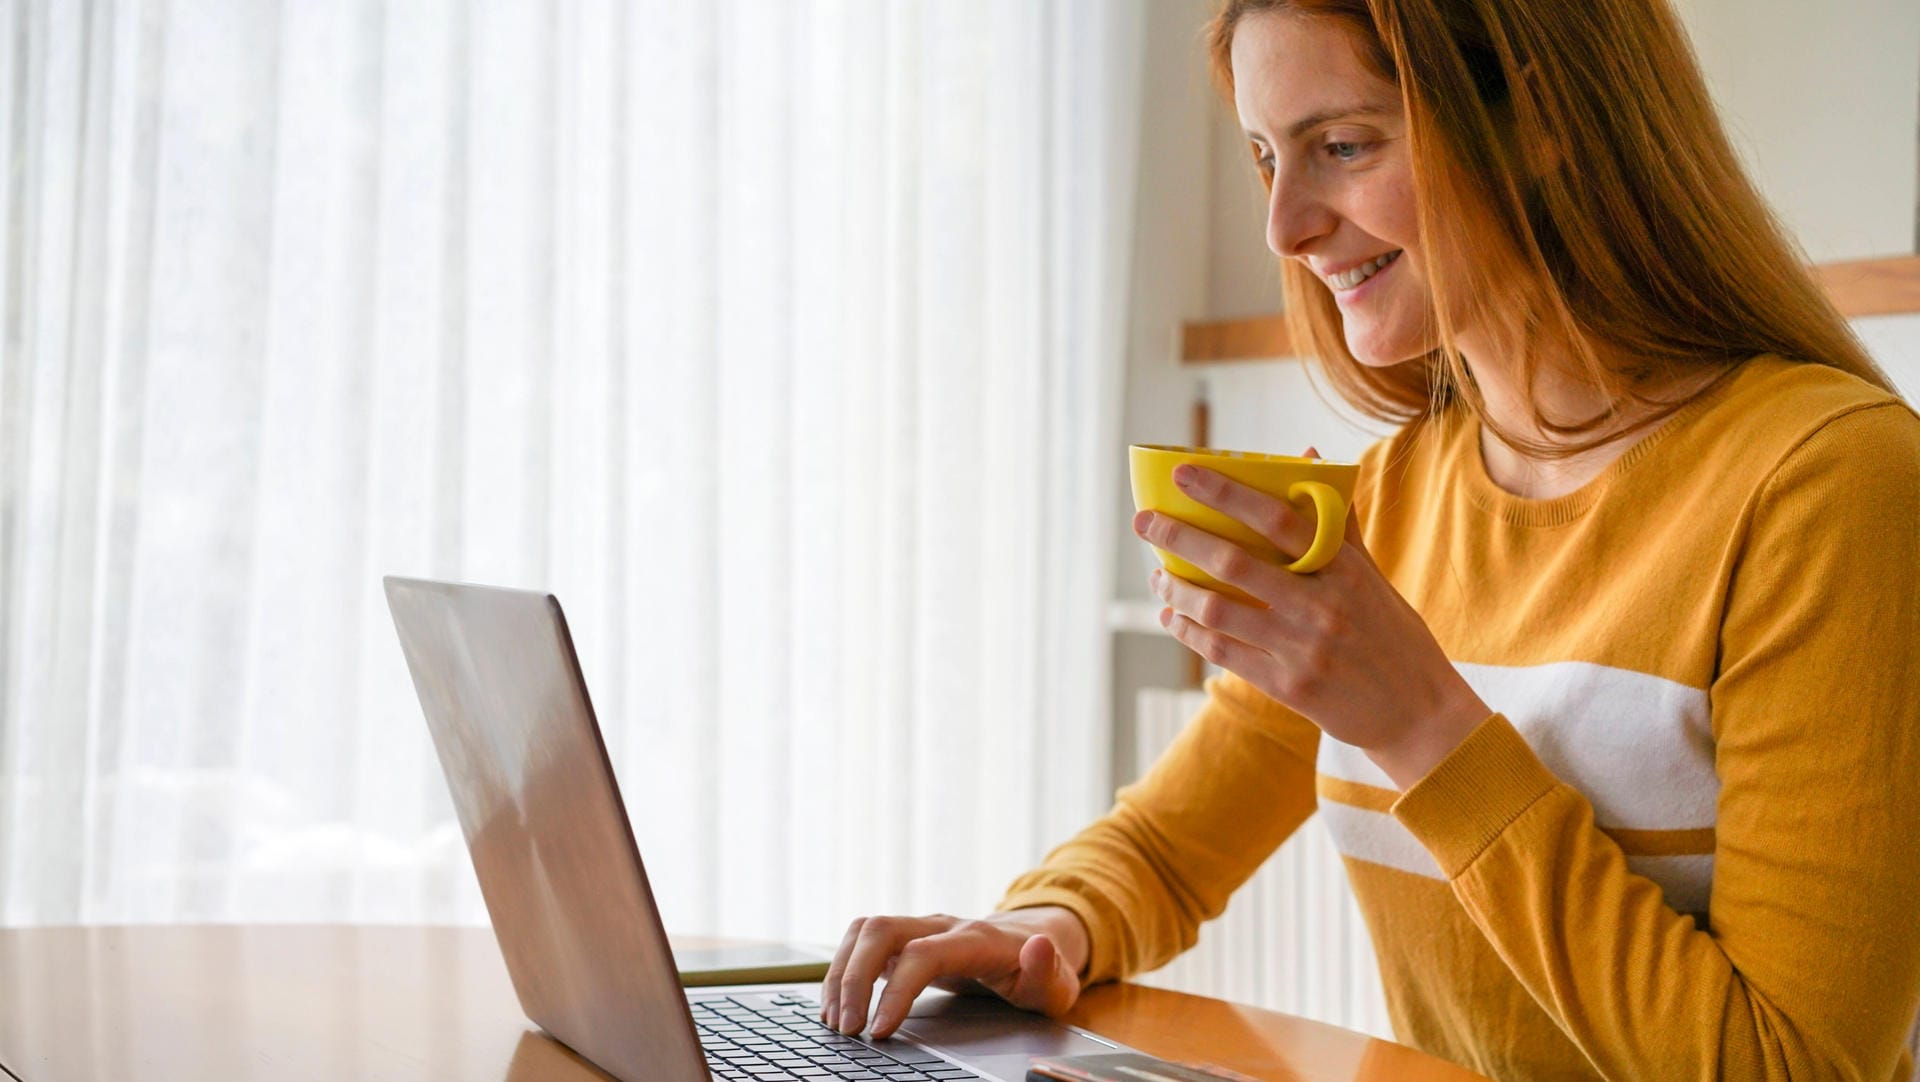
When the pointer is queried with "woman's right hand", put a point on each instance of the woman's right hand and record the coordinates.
(1029, 957)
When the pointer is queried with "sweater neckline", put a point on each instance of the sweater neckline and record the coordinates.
(1570, 507)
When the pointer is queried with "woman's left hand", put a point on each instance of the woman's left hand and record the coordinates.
(1339, 646)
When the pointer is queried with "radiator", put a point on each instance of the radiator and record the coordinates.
(1291, 939)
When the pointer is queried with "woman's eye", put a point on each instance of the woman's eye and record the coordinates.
(1345, 151)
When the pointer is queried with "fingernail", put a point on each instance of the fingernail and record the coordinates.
(847, 1021)
(1185, 476)
(1141, 521)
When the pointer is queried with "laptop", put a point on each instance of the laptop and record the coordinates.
(561, 875)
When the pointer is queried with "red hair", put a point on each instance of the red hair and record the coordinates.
(1590, 195)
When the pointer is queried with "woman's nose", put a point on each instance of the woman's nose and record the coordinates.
(1296, 216)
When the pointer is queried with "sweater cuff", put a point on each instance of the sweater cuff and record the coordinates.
(1481, 787)
(1100, 964)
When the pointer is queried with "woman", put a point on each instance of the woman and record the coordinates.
(1612, 697)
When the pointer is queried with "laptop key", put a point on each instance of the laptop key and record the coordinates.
(912, 1055)
(764, 1036)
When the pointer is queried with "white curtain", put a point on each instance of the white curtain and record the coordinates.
(781, 340)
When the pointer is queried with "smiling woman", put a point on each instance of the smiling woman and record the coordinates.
(1566, 697)
(1568, 194)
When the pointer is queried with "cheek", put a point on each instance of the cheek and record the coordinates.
(1397, 326)
(1391, 210)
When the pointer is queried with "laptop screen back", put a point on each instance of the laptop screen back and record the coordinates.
(507, 706)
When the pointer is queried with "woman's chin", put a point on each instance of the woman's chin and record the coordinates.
(1382, 350)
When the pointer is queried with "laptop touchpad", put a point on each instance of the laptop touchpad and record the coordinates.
(967, 1036)
(990, 1036)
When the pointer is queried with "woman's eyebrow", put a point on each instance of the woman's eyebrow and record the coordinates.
(1308, 123)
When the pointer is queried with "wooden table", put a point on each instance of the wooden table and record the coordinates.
(406, 1004)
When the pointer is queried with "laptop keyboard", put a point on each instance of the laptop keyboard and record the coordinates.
(757, 1037)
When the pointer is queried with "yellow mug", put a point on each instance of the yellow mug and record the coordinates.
(1326, 487)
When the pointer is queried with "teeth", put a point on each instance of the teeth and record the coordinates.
(1347, 279)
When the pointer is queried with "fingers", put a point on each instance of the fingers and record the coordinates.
(1212, 609)
(1289, 528)
(958, 952)
(830, 986)
(1046, 983)
(1217, 646)
(873, 944)
(1219, 557)
(1026, 970)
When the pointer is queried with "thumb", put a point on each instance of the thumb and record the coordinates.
(1352, 535)
(1044, 983)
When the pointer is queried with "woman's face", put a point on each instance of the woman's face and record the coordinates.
(1330, 137)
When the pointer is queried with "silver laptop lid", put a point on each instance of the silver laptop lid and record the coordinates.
(507, 705)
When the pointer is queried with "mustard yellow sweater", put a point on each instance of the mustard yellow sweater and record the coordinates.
(1688, 845)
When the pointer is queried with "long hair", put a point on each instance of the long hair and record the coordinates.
(1573, 184)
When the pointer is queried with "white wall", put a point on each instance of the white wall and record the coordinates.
(1895, 342)
(1169, 285)
(1823, 101)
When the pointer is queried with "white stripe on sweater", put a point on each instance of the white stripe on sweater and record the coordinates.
(1639, 747)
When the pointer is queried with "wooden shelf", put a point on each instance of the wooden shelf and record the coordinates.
(1862, 287)
(1259, 338)
(1873, 287)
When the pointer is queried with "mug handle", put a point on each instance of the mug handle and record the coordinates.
(1328, 531)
